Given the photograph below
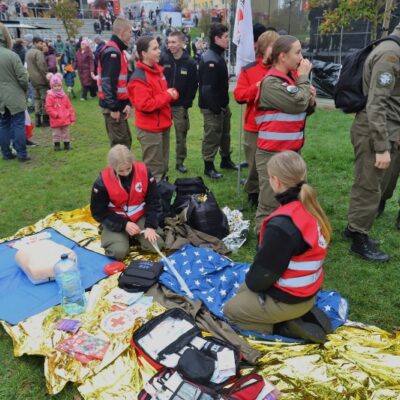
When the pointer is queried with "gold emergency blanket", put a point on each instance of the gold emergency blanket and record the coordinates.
(358, 362)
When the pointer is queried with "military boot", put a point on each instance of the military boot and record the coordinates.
(210, 171)
(38, 120)
(363, 248)
(227, 163)
(349, 235)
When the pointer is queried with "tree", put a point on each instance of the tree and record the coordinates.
(350, 10)
(66, 11)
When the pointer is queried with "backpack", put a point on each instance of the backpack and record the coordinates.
(185, 187)
(349, 96)
(167, 192)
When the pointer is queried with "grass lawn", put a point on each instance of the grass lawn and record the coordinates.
(62, 181)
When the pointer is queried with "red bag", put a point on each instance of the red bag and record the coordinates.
(250, 386)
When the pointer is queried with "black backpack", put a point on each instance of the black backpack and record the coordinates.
(185, 187)
(349, 96)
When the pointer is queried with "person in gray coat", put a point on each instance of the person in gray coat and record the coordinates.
(13, 87)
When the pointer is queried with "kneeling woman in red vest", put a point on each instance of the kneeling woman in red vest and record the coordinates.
(287, 271)
(126, 202)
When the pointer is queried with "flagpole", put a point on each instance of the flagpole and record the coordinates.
(240, 130)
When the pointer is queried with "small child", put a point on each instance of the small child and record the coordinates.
(60, 111)
(69, 78)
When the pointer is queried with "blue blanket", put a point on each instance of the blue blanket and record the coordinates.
(20, 299)
(214, 279)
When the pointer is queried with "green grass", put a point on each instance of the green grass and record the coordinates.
(62, 181)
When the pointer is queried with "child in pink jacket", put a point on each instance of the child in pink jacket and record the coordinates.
(60, 111)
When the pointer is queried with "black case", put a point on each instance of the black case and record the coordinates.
(140, 275)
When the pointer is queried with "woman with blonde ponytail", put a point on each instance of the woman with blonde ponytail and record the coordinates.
(287, 271)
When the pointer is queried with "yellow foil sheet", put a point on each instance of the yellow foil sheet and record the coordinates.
(358, 362)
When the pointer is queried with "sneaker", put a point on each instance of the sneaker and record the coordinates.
(29, 143)
(82, 99)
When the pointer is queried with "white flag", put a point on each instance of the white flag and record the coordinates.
(243, 35)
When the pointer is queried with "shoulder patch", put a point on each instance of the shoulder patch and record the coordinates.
(385, 79)
(292, 89)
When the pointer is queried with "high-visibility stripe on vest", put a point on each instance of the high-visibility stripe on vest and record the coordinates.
(304, 274)
(122, 84)
(277, 130)
(132, 204)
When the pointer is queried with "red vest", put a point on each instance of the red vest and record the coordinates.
(130, 205)
(279, 131)
(122, 89)
(304, 274)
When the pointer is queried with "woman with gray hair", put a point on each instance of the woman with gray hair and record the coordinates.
(126, 203)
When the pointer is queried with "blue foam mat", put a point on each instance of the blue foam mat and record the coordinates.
(20, 299)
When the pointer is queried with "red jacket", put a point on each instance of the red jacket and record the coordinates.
(304, 274)
(131, 205)
(148, 94)
(246, 90)
(60, 110)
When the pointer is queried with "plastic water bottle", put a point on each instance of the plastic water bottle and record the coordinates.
(68, 277)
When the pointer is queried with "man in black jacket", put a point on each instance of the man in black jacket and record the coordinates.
(214, 102)
(180, 70)
(112, 82)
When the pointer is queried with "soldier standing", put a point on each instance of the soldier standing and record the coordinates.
(214, 102)
(286, 98)
(375, 135)
(180, 70)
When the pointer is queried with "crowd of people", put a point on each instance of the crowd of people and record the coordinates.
(160, 86)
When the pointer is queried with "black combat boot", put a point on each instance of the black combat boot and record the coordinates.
(227, 163)
(210, 171)
(181, 168)
(252, 199)
(45, 121)
(363, 248)
(38, 120)
(57, 146)
(349, 235)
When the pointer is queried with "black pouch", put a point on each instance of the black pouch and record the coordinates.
(196, 366)
(140, 275)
